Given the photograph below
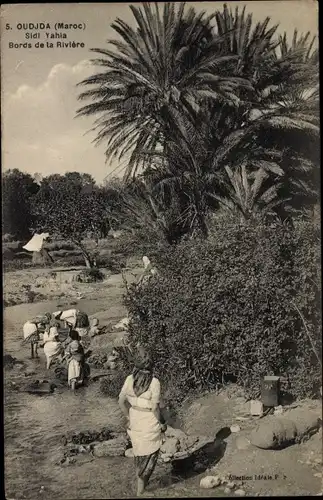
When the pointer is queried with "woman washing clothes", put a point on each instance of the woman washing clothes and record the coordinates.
(32, 330)
(74, 320)
(53, 348)
(141, 391)
(74, 354)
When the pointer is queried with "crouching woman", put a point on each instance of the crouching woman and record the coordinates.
(139, 400)
(74, 355)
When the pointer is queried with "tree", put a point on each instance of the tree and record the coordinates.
(164, 66)
(70, 207)
(18, 189)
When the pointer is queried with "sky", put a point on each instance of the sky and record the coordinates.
(40, 133)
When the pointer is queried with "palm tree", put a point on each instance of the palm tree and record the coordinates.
(163, 67)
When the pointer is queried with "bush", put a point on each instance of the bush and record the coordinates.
(224, 309)
(92, 275)
(112, 385)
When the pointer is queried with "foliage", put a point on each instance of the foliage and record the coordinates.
(70, 207)
(223, 309)
(92, 275)
(112, 385)
(193, 104)
(168, 63)
(17, 190)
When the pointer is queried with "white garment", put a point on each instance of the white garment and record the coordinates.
(52, 349)
(68, 316)
(50, 336)
(29, 329)
(36, 242)
(145, 429)
(74, 370)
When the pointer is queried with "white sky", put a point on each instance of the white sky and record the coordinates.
(40, 132)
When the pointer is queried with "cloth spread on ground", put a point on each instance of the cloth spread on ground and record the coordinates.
(36, 242)
(145, 429)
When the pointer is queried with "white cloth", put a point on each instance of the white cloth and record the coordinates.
(74, 370)
(82, 331)
(52, 349)
(50, 336)
(36, 242)
(146, 262)
(29, 329)
(145, 429)
(68, 316)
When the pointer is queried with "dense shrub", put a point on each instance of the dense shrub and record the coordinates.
(225, 308)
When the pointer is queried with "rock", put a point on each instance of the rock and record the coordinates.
(129, 453)
(112, 448)
(256, 408)
(230, 485)
(240, 493)
(278, 432)
(175, 433)
(318, 474)
(278, 410)
(227, 491)
(209, 482)
(170, 446)
(235, 428)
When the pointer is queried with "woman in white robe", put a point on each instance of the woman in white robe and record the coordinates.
(141, 391)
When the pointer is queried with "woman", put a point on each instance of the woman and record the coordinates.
(74, 354)
(31, 332)
(53, 348)
(74, 320)
(141, 391)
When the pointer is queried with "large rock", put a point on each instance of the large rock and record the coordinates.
(279, 432)
(112, 448)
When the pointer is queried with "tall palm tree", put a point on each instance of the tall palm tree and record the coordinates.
(164, 66)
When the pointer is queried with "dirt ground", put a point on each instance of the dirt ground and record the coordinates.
(34, 424)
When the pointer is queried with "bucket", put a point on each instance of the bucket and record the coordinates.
(270, 389)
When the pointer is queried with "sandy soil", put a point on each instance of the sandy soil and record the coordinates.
(34, 425)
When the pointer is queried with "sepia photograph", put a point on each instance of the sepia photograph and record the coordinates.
(161, 250)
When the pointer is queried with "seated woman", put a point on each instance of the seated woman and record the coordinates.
(31, 332)
(141, 391)
(53, 348)
(74, 354)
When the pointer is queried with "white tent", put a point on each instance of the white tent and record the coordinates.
(36, 242)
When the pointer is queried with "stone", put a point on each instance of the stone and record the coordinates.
(209, 482)
(278, 410)
(276, 431)
(256, 408)
(129, 453)
(227, 491)
(170, 446)
(230, 485)
(240, 493)
(318, 474)
(235, 428)
(112, 448)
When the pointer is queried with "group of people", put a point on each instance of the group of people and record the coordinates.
(44, 330)
(139, 398)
